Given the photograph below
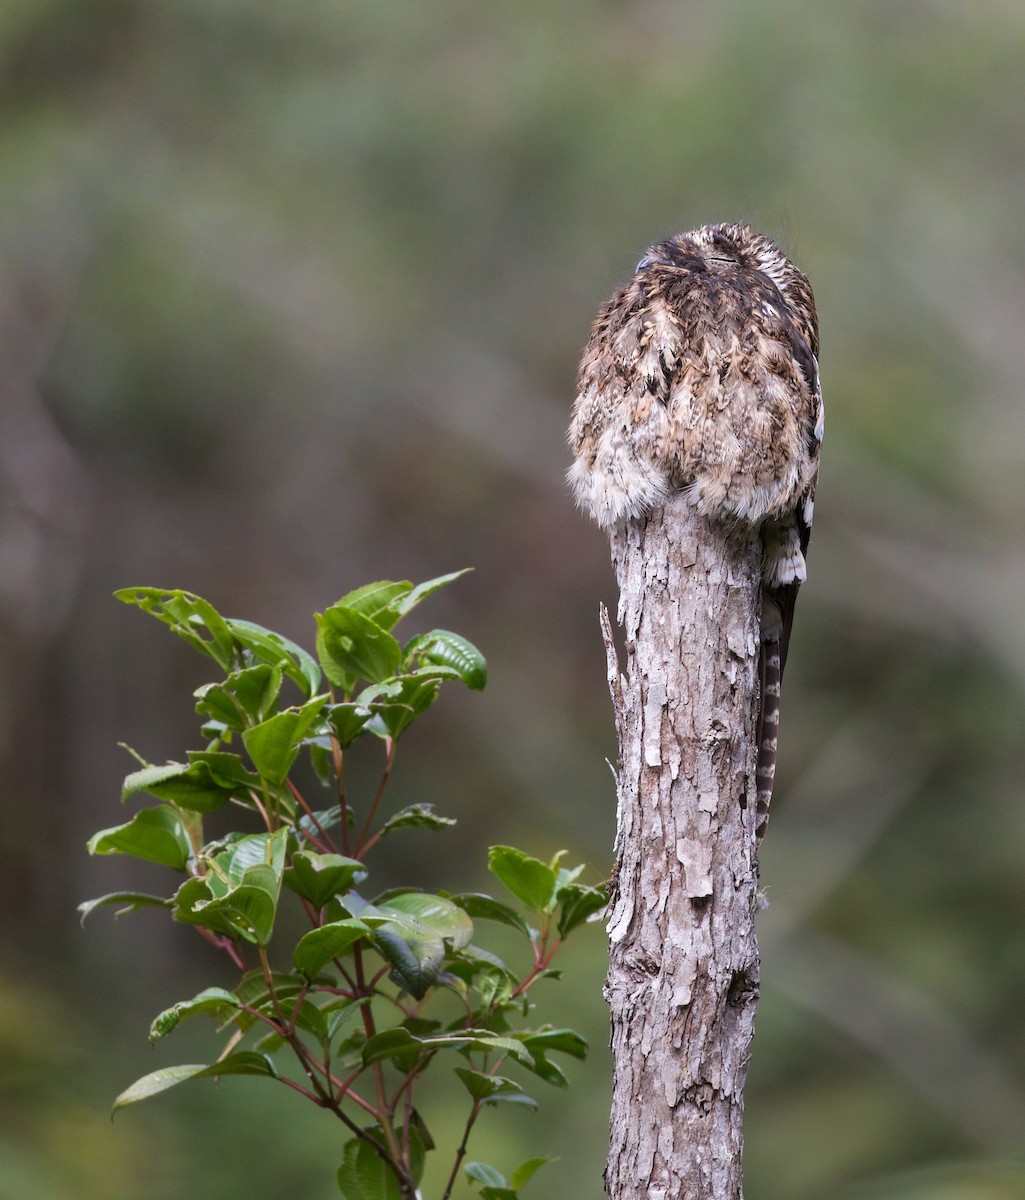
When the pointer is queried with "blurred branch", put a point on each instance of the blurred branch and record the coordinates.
(935, 1053)
(833, 815)
(44, 489)
(947, 580)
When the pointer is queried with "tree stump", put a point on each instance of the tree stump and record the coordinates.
(683, 975)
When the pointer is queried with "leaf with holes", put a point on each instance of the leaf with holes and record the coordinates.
(420, 816)
(192, 618)
(188, 785)
(213, 1001)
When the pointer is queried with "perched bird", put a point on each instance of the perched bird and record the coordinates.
(701, 374)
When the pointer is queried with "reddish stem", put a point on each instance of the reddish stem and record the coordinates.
(385, 776)
(324, 843)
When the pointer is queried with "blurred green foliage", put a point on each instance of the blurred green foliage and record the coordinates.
(291, 296)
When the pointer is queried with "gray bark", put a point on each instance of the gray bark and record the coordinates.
(683, 975)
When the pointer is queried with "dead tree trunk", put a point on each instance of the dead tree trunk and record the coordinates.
(683, 976)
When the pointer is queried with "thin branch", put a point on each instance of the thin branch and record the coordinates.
(324, 843)
(221, 941)
(385, 776)
(338, 759)
(461, 1151)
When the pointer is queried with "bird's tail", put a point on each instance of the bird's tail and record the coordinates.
(771, 672)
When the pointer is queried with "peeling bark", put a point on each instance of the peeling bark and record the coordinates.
(683, 975)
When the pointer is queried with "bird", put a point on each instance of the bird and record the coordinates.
(701, 374)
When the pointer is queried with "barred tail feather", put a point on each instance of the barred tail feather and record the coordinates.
(777, 622)
(771, 672)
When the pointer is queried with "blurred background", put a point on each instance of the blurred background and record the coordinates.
(291, 299)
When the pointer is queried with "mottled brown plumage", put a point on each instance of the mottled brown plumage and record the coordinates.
(701, 374)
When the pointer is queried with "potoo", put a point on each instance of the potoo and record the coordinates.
(701, 374)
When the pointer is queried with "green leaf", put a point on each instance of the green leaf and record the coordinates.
(484, 908)
(531, 881)
(188, 785)
(413, 939)
(232, 864)
(577, 903)
(397, 1043)
(247, 910)
(191, 617)
(213, 1001)
(568, 1041)
(156, 1082)
(318, 947)
(449, 650)
(416, 815)
(550, 1072)
(483, 1173)
(239, 893)
(378, 601)
(131, 901)
(230, 773)
(496, 1193)
(564, 875)
(321, 758)
(350, 646)
(214, 701)
(495, 986)
(396, 703)
(244, 1062)
(518, 1097)
(493, 1089)
(540, 1043)
(309, 1017)
(253, 991)
(469, 961)
(326, 818)
(347, 721)
(318, 877)
(364, 1175)
(415, 971)
(430, 912)
(255, 690)
(340, 1012)
(278, 651)
(154, 834)
(274, 743)
(527, 1170)
(245, 698)
(423, 590)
